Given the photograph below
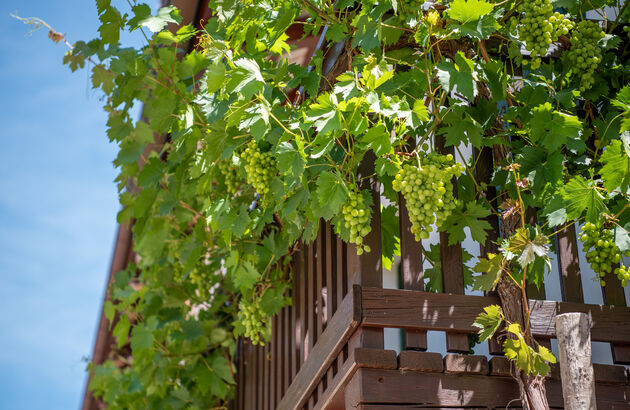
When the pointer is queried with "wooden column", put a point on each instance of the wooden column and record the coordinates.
(452, 267)
(569, 266)
(367, 269)
(574, 348)
(412, 271)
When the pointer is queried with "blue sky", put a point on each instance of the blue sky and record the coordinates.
(58, 205)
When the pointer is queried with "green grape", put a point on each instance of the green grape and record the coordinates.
(428, 191)
(254, 321)
(538, 27)
(229, 172)
(602, 252)
(356, 217)
(260, 168)
(585, 55)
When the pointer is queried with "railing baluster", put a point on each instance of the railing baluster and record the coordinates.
(452, 267)
(412, 270)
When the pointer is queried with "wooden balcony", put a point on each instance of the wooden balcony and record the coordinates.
(328, 348)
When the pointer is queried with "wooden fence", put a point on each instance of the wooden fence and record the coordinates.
(327, 348)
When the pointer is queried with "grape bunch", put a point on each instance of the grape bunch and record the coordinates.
(229, 172)
(254, 321)
(260, 168)
(539, 26)
(356, 218)
(585, 55)
(601, 252)
(428, 191)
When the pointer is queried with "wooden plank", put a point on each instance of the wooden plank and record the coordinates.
(310, 301)
(412, 270)
(421, 361)
(293, 321)
(319, 279)
(569, 266)
(330, 287)
(377, 386)
(614, 296)
(484, 168)
(286, 356)
(337, 333)
(274, 360)
(367, 269)
(452, 265)
(413, 310)
(258, 357)
(249, 405)
(240, 387)
(266, 375)
(303, 300)
(466, 364)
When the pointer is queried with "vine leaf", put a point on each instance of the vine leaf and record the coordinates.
(471, 217)
(460, 127)
(622, 237)
(555, 211)
(458, 75)
(581, 195)
(471, 10)
(331, 192)
(378, 139)
(489, 321)
(490, 269)
(616, 171)
(552, 129)
(246, 78)
(156, 23)
(525, 249)
(142, 336)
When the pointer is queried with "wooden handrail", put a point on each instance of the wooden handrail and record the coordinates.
(339, 329)
(416, 310)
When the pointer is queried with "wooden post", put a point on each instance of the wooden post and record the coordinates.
(576, 368)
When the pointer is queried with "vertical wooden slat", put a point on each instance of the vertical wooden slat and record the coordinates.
(266, 374)
(248, 377)
(412, 271)
(303, 300)
(280, 355)
(240, 387)
(286, 356)
(614, 295)
(310, 302)
(569, 266)
(274, 363)
(484, 168)
(319, 280)
(260, 384)
(367, 269)
(319, 286)
(294, 315)
(331, 285)
(452, 267)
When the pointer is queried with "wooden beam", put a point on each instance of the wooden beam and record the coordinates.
(415, 310)
(392, 387)
(338, 331)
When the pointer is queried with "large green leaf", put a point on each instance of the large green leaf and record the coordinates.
(582, 196)
(469, 10)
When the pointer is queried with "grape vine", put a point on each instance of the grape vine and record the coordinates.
(261, 149)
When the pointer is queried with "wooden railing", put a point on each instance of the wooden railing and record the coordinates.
(334, 326)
